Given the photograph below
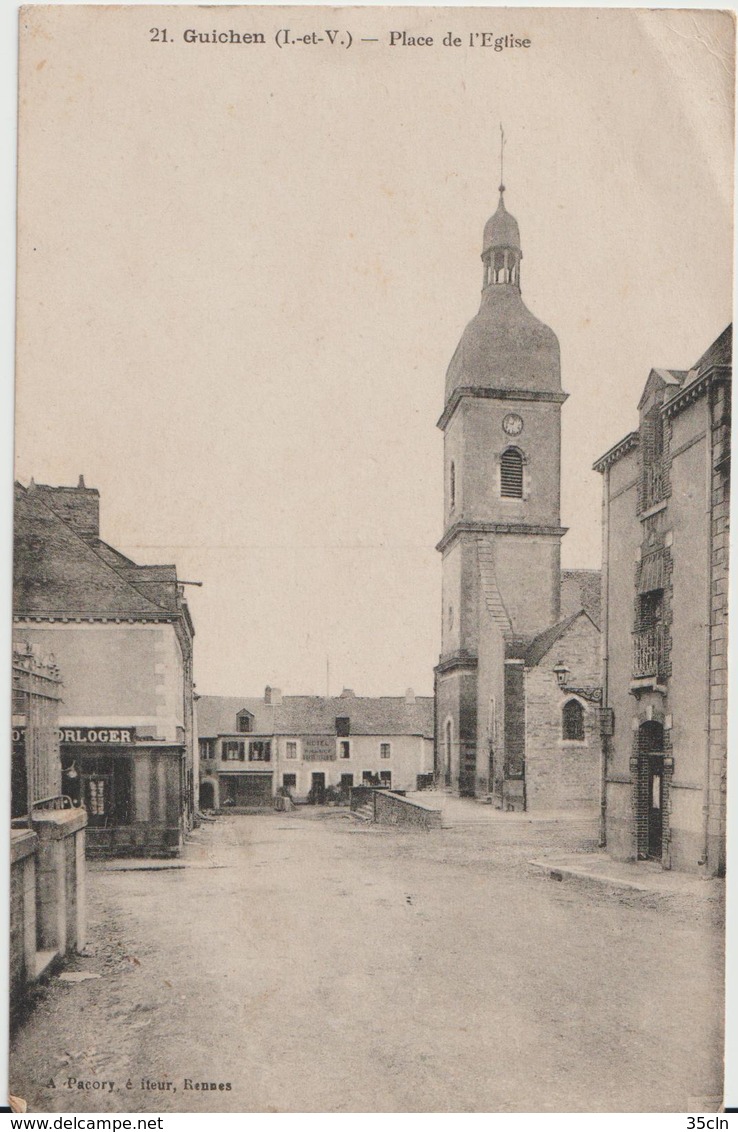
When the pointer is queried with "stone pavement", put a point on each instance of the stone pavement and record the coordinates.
(642, 876)
(309, 965)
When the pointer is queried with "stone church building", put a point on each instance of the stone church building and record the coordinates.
(518, 679)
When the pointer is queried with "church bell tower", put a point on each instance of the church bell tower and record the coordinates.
(502, 532)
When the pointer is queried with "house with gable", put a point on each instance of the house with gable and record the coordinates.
(121, 635)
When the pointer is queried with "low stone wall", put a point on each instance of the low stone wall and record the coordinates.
(394, 809)
(60, 879)
(47, 896)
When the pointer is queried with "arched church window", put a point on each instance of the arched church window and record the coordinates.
(573, 721)
(452, 485)
(511, 474)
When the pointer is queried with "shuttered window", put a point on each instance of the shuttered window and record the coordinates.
(511, 474)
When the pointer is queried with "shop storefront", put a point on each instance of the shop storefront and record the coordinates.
(132, 791)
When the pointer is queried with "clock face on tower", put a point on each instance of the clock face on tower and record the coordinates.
(512, 424)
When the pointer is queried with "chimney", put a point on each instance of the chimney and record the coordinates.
(78, 507)
(273, 696)
(409, 697)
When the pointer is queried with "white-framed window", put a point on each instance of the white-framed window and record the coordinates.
(385, 750)
(291, 749)
(344, 749)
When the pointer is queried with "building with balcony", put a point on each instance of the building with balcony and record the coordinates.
(665, 619)
(310, 746)
(122, 637)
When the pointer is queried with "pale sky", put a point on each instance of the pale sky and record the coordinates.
(244, 270)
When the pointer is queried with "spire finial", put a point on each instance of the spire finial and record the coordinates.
(502, 159)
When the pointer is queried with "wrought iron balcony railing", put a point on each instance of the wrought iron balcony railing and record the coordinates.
(649, 654)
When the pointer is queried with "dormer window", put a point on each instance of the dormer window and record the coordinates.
(343, 725)
(244, 722)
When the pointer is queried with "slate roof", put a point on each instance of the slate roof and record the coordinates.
(544, 642)
(720, 353)
(316, 715)
(582, 589)
(57, 571)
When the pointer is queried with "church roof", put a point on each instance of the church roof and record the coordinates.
(544, 642)
(582, 589)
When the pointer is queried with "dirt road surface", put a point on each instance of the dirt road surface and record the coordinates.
(312, 964)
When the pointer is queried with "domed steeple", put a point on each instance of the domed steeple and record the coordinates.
(501, 252)
(504, 346)
(501, 230)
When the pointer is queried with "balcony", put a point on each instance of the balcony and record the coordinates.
(649, 656)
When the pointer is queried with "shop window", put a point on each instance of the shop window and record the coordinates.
(260, 751)
(385, 751)
(291, 752)
(573, 721)
(233, 751)
(289, 781)
(105, 789)
(511, 474)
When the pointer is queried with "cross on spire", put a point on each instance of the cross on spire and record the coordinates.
(502, 159)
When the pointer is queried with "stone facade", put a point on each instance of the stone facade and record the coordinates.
(666, 502)
(564, 772)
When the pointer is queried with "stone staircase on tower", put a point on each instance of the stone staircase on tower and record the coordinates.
(493, 600)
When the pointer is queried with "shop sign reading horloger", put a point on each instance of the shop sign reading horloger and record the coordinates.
(92, 736)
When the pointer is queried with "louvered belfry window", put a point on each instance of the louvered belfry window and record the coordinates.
(511, 474)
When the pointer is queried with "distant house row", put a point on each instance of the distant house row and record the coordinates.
(312, 747)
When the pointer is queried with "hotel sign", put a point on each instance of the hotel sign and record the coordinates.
(87, 736)
(319, 748)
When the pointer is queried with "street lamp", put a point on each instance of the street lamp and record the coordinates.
(562, 673)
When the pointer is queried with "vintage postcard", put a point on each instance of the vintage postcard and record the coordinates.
(370, 614)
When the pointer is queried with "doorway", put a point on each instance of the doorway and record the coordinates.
(317, 789)
(655, 805)
(651, 830)
(207, 796)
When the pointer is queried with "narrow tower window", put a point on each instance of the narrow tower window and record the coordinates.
(511, 474)
(452, 485)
